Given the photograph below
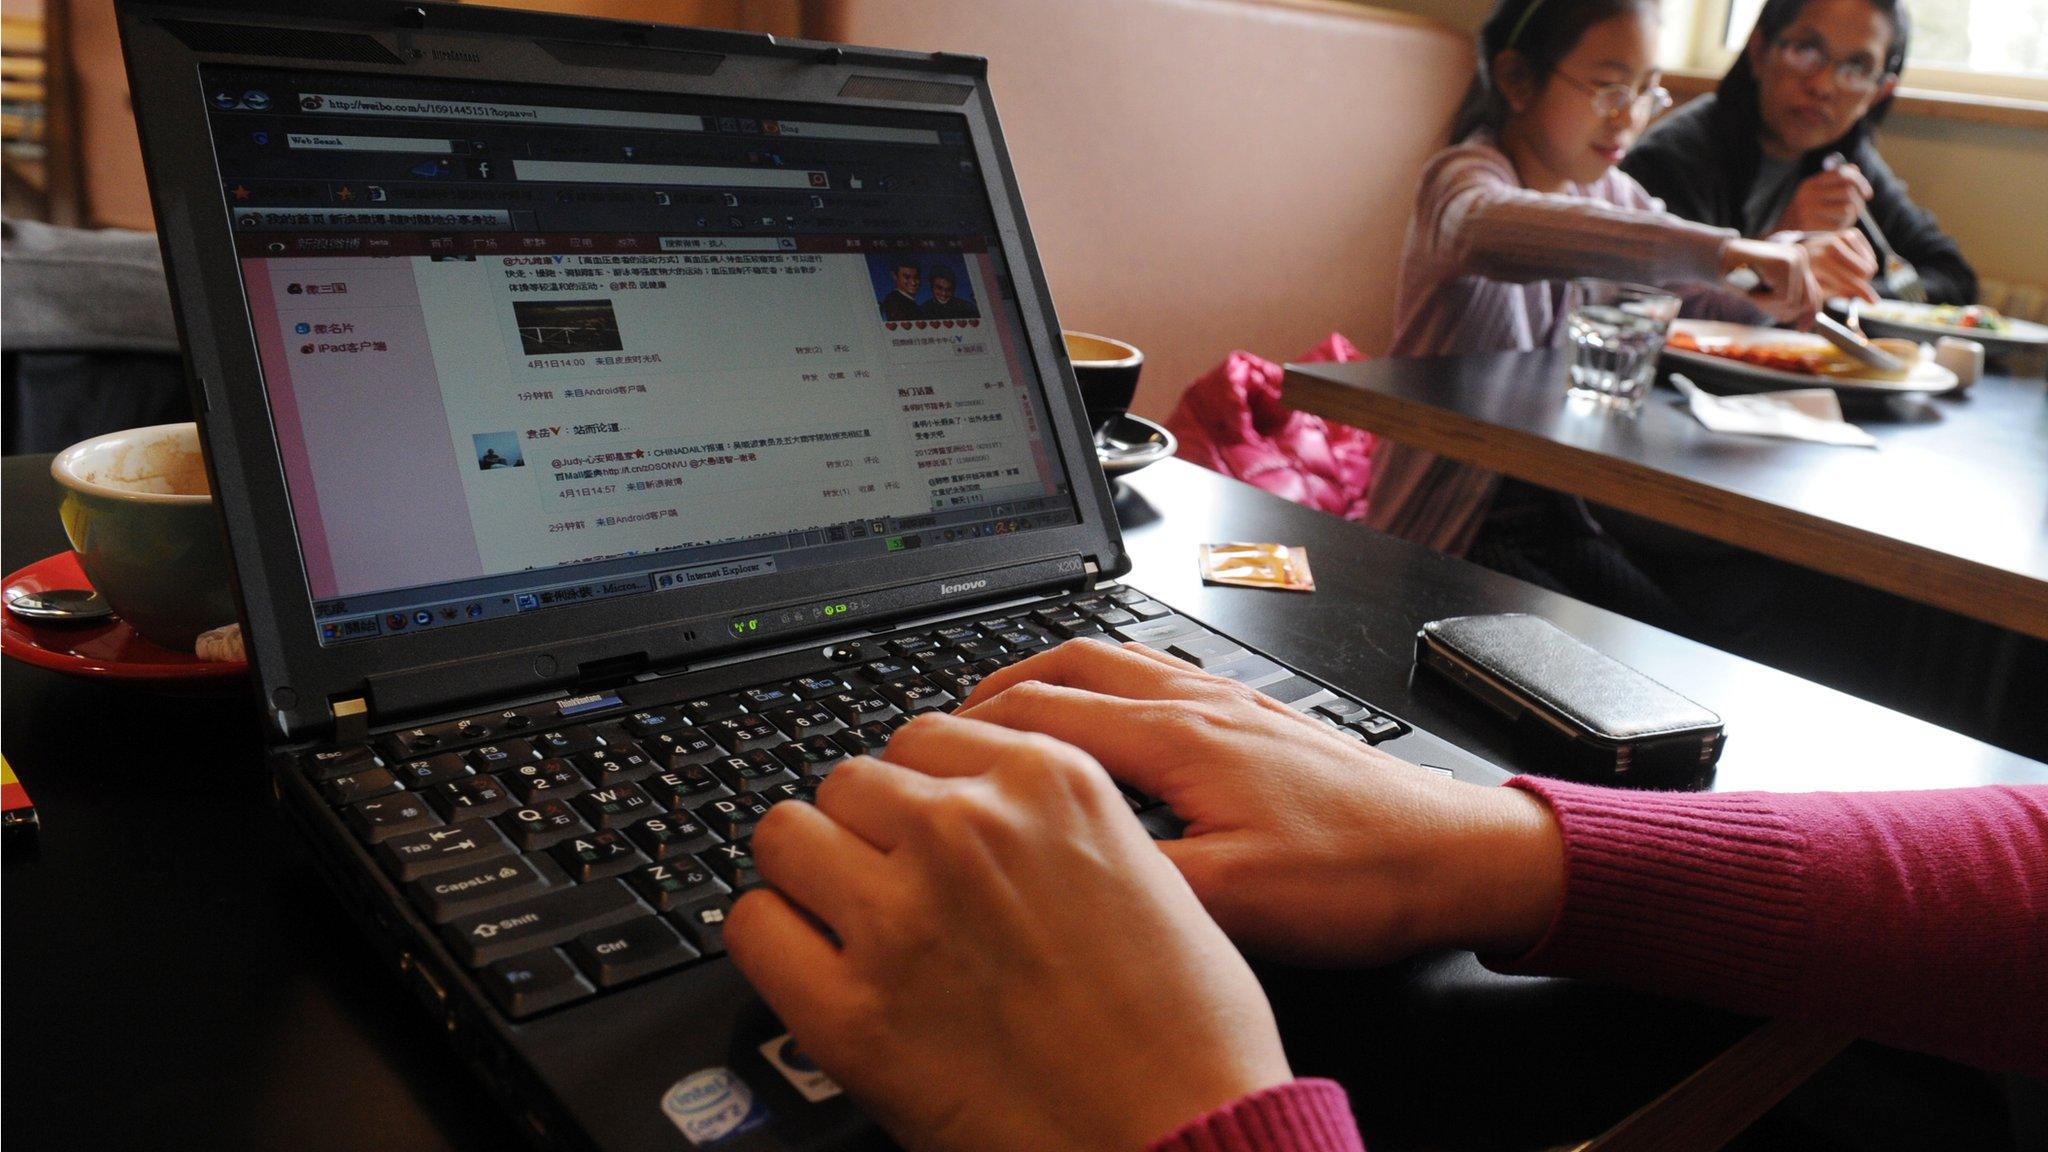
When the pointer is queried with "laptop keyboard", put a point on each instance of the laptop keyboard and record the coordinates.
(562, 861)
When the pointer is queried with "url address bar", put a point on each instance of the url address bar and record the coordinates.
(588, 172)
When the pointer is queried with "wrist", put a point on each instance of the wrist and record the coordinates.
(1504, 875)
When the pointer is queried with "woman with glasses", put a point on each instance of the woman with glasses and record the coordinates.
(1787, 144)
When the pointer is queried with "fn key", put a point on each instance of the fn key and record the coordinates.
(534, 982)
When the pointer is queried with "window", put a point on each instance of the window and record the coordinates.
(1982, 47)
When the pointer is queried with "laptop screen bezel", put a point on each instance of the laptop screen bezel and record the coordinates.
(535, 652)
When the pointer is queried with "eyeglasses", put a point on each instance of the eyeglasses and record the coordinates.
(1857, 74)
(1614, 100)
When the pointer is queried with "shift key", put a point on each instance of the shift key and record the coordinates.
(555, 918)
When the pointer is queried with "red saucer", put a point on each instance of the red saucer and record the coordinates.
(108, 650)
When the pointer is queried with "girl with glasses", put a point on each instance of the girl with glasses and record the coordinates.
(1760, 153)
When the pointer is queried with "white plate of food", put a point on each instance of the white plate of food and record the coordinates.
(1986, 326)
(1748, 359)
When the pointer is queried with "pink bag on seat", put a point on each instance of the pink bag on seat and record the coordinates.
(1232, 421)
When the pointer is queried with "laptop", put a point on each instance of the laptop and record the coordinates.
(616, 427)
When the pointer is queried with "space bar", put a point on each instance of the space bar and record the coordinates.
(537, 923)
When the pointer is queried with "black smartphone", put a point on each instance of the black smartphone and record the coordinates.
(1583, 714)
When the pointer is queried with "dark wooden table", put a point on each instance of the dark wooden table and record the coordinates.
(175, 975)
(1951, 509)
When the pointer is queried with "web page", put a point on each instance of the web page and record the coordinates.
(576, 368)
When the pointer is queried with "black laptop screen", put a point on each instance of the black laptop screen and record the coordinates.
(528, 346)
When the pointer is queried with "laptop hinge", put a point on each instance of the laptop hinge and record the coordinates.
(351, 719)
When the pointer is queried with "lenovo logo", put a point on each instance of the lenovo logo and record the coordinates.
(963, 586)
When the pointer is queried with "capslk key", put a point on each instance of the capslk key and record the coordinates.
(446, 895)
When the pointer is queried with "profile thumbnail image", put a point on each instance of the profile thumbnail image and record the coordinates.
(548, 327)
(923, 289)
(498, 450)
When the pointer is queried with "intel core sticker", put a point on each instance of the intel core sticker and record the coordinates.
(798, 1069)
(712, 1106)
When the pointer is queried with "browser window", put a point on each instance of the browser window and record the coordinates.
(532, 346)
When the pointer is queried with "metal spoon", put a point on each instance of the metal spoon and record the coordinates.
(64, 605)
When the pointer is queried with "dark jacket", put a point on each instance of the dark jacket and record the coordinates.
(1701, 161)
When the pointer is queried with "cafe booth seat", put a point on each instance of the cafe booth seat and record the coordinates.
(1203, 176)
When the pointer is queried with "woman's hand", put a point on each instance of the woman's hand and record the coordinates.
(1787, 288)
(1826, 201)
(981, 944)
(1303, 844)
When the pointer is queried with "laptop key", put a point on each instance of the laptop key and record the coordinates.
(416, 854)
(673, 749)
(1126, 596)
(805, 720)
(1023, 639)
(1249, 669)
(568, 741)
(709, 709)
(362, 785)
(613, 956)
(596, 855)
(884, 671)
(739, 733)
(956, 634)
(734, 864)
(470, 798)
(548, 919)
(815, 687)
(1344, 711)
(1297, 692)
(757, 771)
(972, 650)
(467, 730)
(468, 891)
(767, 699)
(327, 763)
(703, 921)
(623, 764)
(1115, 618)
(532, 983)
(549, 779)
(410, 742)
(959, 682)
(504, 754)
(649, 721)
(1205, 649)
(857, 708)
(670, 884)
(1379, 728)
(733, 817)
(813, 755)
(1155, 631)
(915, 694)
(666, 837)
(933, 659)
(376, 821)
(615, 807)
(680, 789)
(542, 825)
(1147, 609)
(431, 770)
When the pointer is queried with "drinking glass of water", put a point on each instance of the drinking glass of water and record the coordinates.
(1616, 331)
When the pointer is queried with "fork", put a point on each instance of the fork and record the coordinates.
(1901, 279)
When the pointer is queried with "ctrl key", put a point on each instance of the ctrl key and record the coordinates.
(634, 949)
(535, 982)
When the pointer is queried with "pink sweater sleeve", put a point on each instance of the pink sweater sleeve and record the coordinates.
(1478, 218)
(1918, 919)
(1298, 1116)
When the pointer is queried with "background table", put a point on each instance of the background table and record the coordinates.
(175, 975)
(1951, 510)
